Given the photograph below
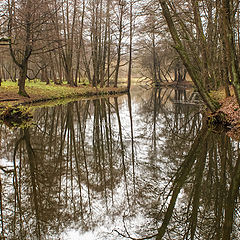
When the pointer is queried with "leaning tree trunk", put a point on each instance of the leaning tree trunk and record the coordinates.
(194, 74)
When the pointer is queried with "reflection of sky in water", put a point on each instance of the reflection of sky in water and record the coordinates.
(112, 217)
(136, 196)
(106, 231)
(75, 235)
(142, 144)
(6, 163)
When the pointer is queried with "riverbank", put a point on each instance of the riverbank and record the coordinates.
(40, 92)
(228, 115)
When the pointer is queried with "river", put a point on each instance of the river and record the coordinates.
(136, 166)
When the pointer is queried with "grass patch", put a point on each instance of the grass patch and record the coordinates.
(39, 91)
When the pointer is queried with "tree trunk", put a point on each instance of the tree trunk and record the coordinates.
(130, 47)
(119, 44)
(154, 71)
(0, 77)
(21, 81)
(109, 48)
(105, 45)
(230, 47)
(69, 76)
(193, 72)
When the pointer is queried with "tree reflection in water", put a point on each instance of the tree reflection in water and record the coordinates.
(144, 166)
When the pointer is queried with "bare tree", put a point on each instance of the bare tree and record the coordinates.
(130, 44)
(27, 21)
(121, 12)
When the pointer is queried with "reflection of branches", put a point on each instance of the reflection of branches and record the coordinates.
(6, 170)
(159, 99)
(127, 235)
(231, 201)
(189, 121)
(201, 191)
(34, 179)
(78, 186)
(180, 178)
(16, 187)
(122, 146)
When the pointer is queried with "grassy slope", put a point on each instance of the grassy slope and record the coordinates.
(39, 91)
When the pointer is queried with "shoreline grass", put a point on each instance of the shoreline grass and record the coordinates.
(40, 92)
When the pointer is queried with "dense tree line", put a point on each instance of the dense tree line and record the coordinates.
(203, 36)
(206, 37)
(66, 40)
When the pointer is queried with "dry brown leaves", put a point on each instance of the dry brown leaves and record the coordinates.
(231, 109)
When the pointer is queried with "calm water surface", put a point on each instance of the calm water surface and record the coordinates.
(131, 166)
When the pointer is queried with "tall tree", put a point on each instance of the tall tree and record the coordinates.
(228, 15)
(130, 45)
(27, 22)
(69, 12)
(121, 13)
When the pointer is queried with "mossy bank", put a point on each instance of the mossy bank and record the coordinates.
(40, 92)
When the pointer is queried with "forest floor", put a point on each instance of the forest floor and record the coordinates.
(231, 112)
(40, 92)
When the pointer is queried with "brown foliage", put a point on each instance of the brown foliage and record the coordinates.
(231, 111)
